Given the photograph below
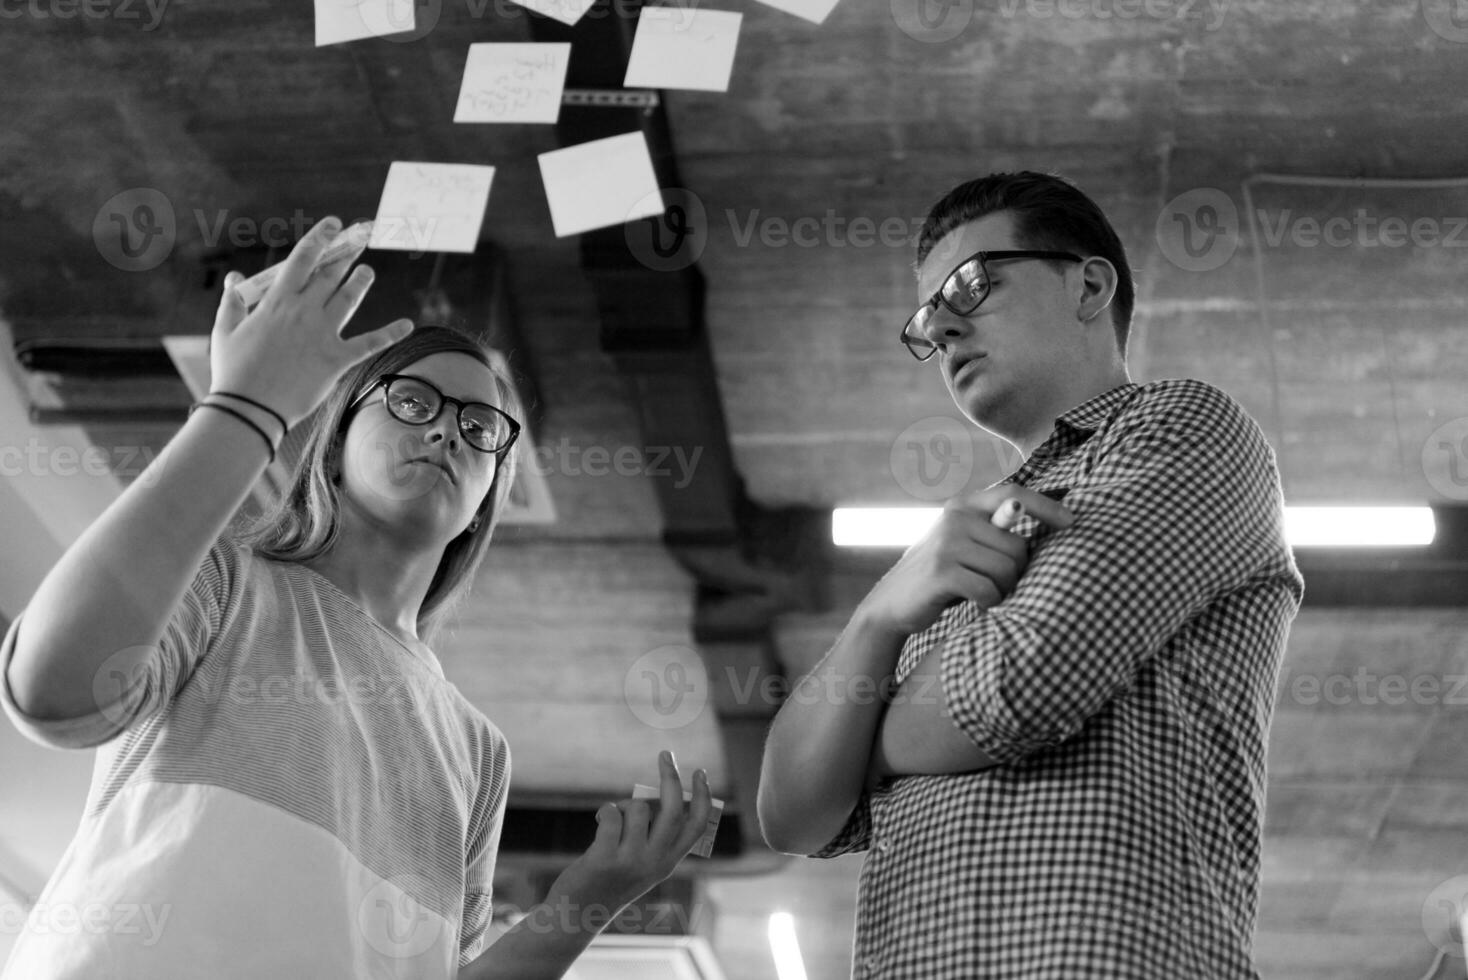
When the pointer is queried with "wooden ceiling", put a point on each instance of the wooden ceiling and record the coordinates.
(1351, 355)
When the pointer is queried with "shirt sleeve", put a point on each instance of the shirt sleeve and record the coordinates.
(484, 845)
(127, 698)
(1181, 505)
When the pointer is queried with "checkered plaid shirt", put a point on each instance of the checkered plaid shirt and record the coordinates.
(1125, 688)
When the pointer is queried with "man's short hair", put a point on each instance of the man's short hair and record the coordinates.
(1049, 213)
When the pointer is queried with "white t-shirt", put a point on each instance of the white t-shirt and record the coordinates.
(289, 791)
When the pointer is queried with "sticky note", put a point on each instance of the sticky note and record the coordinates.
(814, 11)
(351, 20)
(566, 11)
(605, 182)
(683, 48)
(513, 83)
(702, 847)
(431, 207)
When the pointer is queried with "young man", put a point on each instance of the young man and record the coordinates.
(1069, 779)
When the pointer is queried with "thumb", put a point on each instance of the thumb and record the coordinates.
(231, 307)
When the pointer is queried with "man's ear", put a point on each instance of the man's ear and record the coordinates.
(1098, 287)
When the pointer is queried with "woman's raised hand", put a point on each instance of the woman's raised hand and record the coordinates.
(288, 352)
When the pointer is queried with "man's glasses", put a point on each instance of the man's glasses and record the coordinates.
(962, 292)
(416, 402)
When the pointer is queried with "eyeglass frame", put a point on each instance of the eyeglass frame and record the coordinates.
(385, 381)
(984, 257)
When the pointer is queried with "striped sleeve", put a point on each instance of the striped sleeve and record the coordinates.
(1182, 505)
(484, 844)
(128, 696)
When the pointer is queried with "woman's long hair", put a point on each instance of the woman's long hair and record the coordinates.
(303, 523)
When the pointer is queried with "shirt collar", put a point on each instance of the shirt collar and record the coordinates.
(1089, 414)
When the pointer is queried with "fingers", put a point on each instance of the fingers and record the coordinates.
(987, 589)
(1048, 511)
(341, 252)
(367, 344)
(231, 307)
(344, 302)
(296, 269)
(670, 813)
(636, 815)
(984, 504)
(608, 827)
(698, 815)
(1003, 571)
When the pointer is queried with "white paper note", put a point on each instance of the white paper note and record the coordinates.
(605, 182)
(338, 21)
(513, 83)
(683, 48)
(431, 207)
(566, 11)
(814, 11)
(704, 846)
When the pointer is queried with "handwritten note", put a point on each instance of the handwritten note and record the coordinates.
(513, 83)
(598, 184)
(351, 20)
(566, 11)
(431, 207)
(683, 48)
(814, 11)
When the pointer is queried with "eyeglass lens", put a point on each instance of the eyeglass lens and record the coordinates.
(963, 291)
(418, 403)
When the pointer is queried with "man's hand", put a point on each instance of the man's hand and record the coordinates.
(963, 557)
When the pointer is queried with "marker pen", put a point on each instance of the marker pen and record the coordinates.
(252, 290)
(1009, 512)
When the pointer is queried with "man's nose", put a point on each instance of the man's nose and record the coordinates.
(945, 327)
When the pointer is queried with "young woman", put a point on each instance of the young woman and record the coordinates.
(285, 784)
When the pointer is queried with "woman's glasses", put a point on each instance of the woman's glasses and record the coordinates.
(962, 292)
(416, 402)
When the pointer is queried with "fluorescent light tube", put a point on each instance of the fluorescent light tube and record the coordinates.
(788, 964)
(1305, 527)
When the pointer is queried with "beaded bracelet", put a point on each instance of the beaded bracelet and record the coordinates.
(243, 418)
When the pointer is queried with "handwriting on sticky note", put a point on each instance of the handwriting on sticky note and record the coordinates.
(432, 207)
(513, 83)
(676, 48)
